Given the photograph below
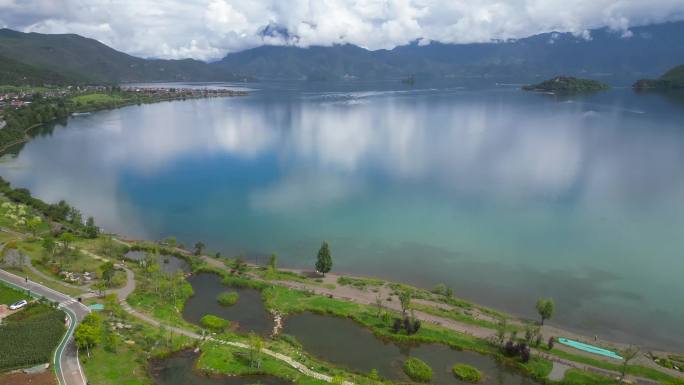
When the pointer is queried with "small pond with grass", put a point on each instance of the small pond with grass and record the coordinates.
(177, 369)
(345, 343)
(167, 263)
(248, 312)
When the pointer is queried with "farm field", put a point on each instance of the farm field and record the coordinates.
(30, 336)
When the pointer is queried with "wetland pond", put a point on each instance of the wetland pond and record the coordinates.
(248, 312)
(167, 263)
(343, 342)
(177, 369)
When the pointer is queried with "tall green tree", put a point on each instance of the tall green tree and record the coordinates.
(91, 230)
(628, 354)
(108, 271)
(67, 239)
(273, 261)
(405, 301)
(324, 259)
(545, 308)
(199, 247)
(89, 332)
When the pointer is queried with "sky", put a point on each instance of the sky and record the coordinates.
(209, 29)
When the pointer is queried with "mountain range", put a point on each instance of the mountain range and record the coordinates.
(611, 56)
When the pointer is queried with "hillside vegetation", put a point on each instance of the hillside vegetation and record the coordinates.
(567, 84)
(61, 58)
(672, 79)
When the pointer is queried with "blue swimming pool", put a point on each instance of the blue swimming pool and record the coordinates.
(589, 348)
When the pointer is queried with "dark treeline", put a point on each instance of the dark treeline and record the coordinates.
(41, 110)
(70, 217)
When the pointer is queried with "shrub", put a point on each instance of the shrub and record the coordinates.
(228, 298)
(417, 370)
(214, 323)
(467, 373)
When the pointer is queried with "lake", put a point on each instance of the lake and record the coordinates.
(503, 195)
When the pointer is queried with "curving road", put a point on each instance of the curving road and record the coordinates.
(66, 363)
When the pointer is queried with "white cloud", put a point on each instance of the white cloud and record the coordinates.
(208, 29)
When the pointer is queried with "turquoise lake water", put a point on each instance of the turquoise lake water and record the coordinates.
(503, 195)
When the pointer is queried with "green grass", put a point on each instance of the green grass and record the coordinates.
(10, 295)
(360, 283)
(97, 98)
(466, 373)
(219, 359)
(635, 370)
(579, 377)
(122, 362)
(461, 317)
(214, 323)
(228, 298)
(164, 310)
(122, 366)
(417, 370)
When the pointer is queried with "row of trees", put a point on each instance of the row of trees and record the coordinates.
(60, 212)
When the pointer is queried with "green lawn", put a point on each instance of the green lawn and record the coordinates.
(635, 370)
(10, 295)
(97, 98)
(121, 367)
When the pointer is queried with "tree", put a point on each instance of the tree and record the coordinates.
(272, 261)
(324, 259)
(33, 225)
(67, 239)
(49, 246)
(405, 301)
(440, 289)
(199, 248)
(256, 345)
(545, 308)
(449, 292)
(501, 331)
(628, 355)
(91, 230)
(378, 303)
(108, 271)
(89, 332)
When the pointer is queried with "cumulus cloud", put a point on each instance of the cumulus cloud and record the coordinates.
(208, 29)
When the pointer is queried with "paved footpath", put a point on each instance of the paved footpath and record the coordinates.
(67, 366)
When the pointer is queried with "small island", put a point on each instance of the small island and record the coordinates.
(567, 84)
(672, 79)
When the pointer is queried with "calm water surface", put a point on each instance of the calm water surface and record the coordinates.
(343, 342)
(249, 311)
(503, 195)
